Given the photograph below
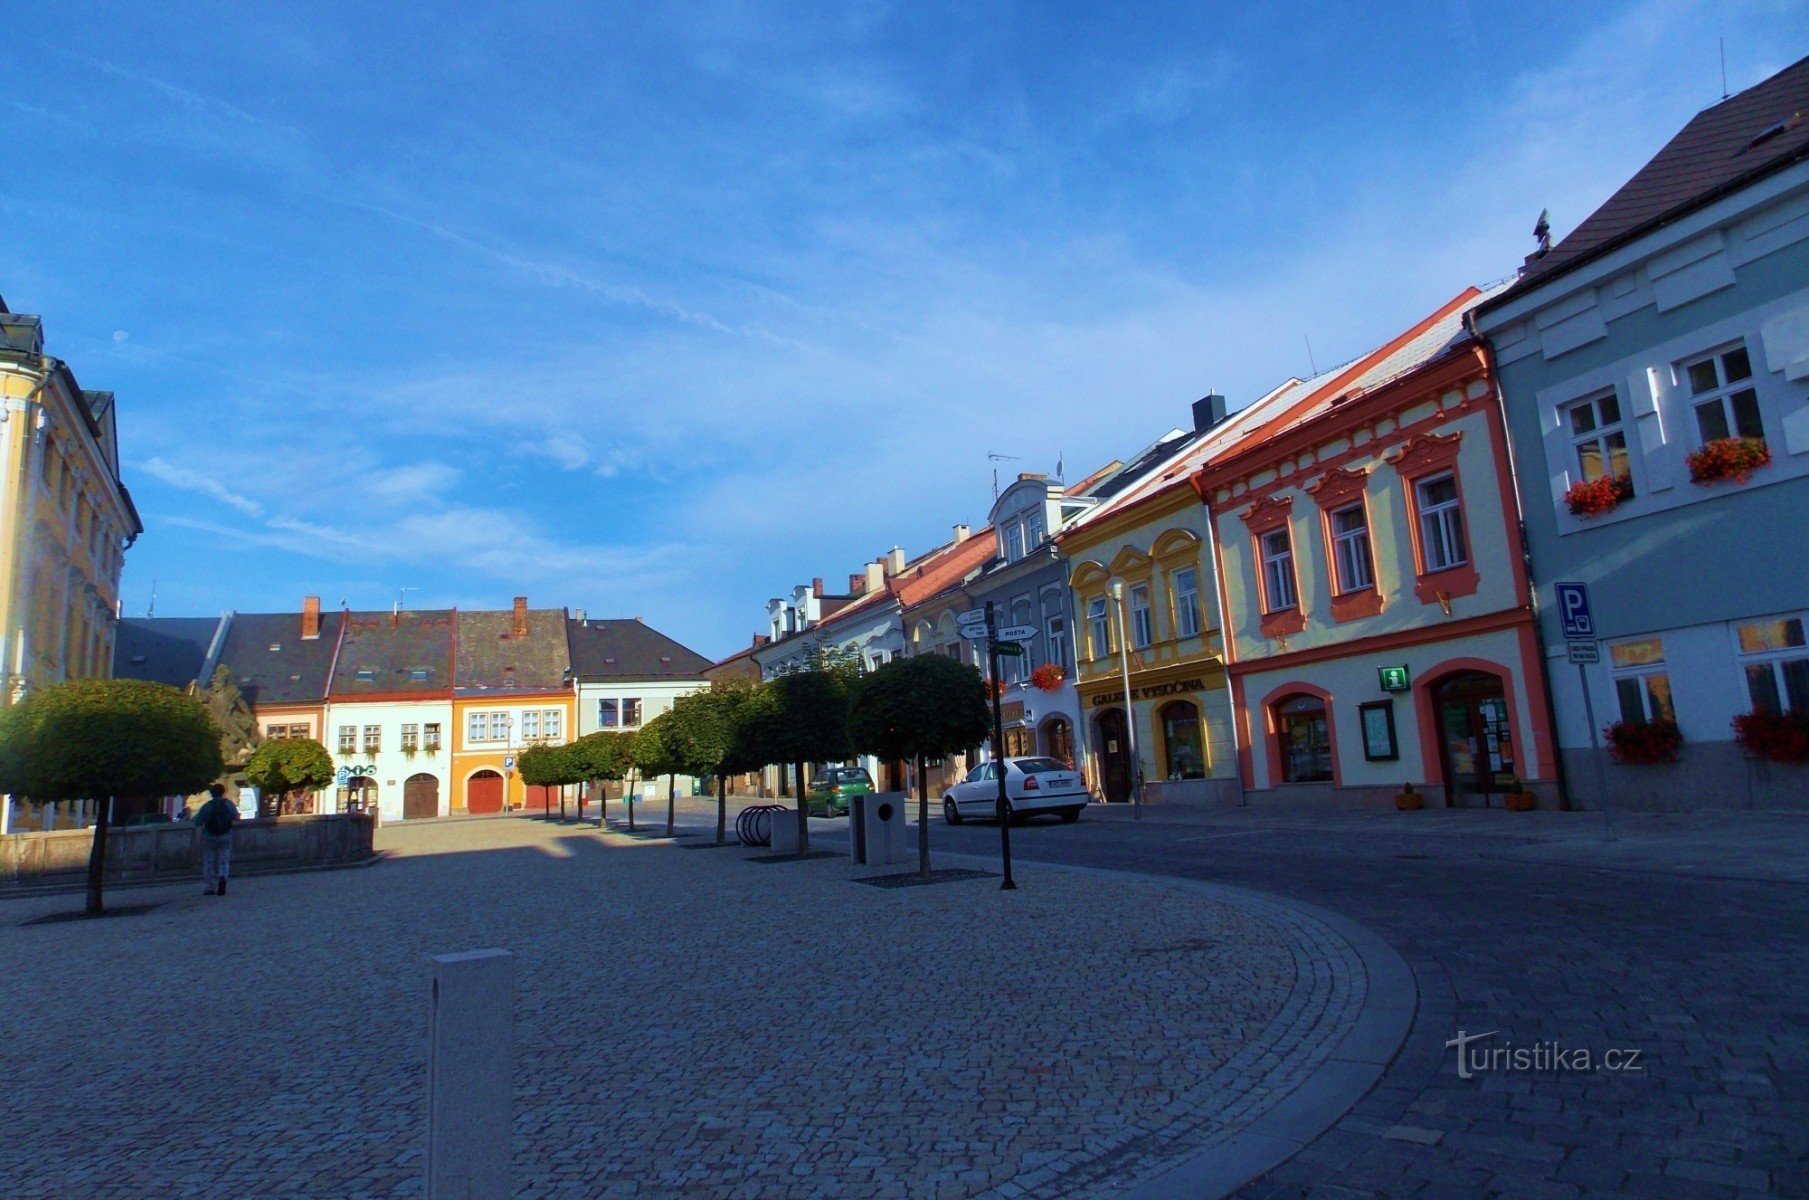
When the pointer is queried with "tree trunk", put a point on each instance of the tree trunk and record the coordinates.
(803, 814)
(628, 798)
(562, 804)
(97, 862)
(722, 810)
(671, 801)
(923, 823)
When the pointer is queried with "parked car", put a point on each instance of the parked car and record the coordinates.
(1032, 786)
(831, 793)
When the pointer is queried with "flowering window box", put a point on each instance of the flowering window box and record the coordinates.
(1594, 497)
(1728, 459)
(1047, 677)
(1644, 742)
(1775, 736)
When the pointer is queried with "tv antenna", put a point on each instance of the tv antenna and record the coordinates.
(151, 609)
(1723, 42)
(1311, 365)
(402, 598)
(998, 458)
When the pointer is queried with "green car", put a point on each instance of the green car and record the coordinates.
(830, 792)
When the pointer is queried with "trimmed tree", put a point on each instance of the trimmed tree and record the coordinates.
(807, 722)
(95, 739)
(547, 766)
(705, 726)
(657, 751)
(596, 757)
(917, 709)
(284, 765)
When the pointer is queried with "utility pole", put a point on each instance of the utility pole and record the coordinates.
(998, 744)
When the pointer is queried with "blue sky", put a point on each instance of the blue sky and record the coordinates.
(660, 309)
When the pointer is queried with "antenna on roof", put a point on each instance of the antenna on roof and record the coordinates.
(1310, 363)
(1542, 231)
(998, 458)
(1723, 42)
(402, 598)
(151, 608)
(1059, 460)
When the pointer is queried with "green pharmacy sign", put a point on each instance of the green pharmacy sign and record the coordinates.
(1393, 679)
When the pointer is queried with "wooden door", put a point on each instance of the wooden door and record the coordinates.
(484, 793)
(1114, 755)
(420, 797)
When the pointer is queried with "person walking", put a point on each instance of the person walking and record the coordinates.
(215, 820)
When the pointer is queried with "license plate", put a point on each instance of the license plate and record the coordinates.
(1061, 781)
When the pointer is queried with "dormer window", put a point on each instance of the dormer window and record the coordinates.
(1014, 542)
(1034, 534)
(418, 675)
(367, 675)
(275, 646)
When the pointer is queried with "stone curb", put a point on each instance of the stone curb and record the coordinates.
(76, 889)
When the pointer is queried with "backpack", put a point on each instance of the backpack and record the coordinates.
(219, 818)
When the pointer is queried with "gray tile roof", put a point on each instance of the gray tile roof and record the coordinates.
(273, 664)
(163, 649)
(385, 654)
(629, 649)
(492, 658)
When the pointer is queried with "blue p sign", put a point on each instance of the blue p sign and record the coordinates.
(1573, 609)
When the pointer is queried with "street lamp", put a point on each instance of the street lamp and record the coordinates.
(508, 724)
(1130, 717)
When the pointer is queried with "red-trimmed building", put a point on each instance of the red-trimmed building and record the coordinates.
(1374, 593)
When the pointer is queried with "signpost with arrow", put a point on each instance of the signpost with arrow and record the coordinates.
(997, 643)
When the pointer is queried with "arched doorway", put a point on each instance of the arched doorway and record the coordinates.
(1058, 739)
(1303, 734)
(1114, 744)
(420, 797)
(1183, 747)
(484, 793)
(1475, 737)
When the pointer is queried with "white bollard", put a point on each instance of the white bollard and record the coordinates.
(470, 1075)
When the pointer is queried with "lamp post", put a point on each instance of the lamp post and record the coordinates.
(508, 724)
(1130, 716)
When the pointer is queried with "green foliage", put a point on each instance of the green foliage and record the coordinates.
(926, 706)
(285, 765)
(548, 766)
(238, 724)
(704, 726)
(801, 717)
(606, 754)
(94, 738)
(656, 748)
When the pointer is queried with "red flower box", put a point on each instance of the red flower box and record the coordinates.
(1599, 495)
(1644, 742)
(1728, 458)
(1779, 737)
(1048, 677)
(995, 688)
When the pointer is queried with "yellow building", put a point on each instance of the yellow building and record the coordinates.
(512, 688)
(65, 519)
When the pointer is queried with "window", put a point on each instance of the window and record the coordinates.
(1182, 749)
(1187, 602)
(631, 712)
(411, 737)
(1721, 390)
(1034, 534)
(530, 724)
(1058, 642)
(348, 738)
(1141, 633)
(1600, 442)
(608, 714)
(1278, 571)
(272, 732)
(1641, 684)
(1014, 542)
(373, 738)
(1776, 661)
(296, 731)
(430, 736)
(1441, 523)
(1306, 742)
(1350, 548)
(553, 722)
(1099, 628)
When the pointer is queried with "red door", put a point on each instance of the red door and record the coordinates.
(542, 796)
(484, 793)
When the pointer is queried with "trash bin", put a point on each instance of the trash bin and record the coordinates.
(877, 832)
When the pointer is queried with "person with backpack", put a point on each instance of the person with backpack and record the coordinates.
(215, 820)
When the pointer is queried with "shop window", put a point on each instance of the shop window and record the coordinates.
(1722, 393)
(1018, 742)
(1642, 686)
(1776, 662)
(1304, 731)
(1183, 748)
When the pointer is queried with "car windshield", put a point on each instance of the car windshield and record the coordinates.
(1041, 766)
(849, 775)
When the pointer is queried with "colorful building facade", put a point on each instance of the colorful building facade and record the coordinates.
(512, 688)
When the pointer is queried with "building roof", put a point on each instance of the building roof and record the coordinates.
(629, 649)
(168, 650)
(1724, 148)
(945, 567)
(394, 654)
(492, 658)
(272, 663)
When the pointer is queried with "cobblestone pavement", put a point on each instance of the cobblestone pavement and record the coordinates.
(1693, 951)
(687, 1023)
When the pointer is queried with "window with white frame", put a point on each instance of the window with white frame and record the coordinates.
(530, 724)
(1099, 628)
(373, 738)
(1441, 523)
(477, 727)
(1142, 630)
(348, 738)
(411, 737)
(1597, 437)
(1278, 571)
(1350, 548)
(1642, 685)
(609, 713)
(552, 723)
(1058, 642)
(430, 736)
(1187, 601)
(1776, 661)
(1722, 393)
(1034, 534)
(631, 712)
(1014, 542)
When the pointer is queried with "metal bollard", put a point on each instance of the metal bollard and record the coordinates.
(470, 1075)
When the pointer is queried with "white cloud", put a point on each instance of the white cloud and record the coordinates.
(206, 485)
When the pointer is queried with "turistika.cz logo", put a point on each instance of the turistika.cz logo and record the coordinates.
(1552, 1057)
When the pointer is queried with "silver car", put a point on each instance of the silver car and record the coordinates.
(1032, 785)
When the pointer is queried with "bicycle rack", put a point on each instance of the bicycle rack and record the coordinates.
(755, 824)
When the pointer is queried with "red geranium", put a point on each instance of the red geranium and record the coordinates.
(996, 688)
(1780, 737)
(1728, 458)
(1594, 497)
(1048, 677)
(1644, 742)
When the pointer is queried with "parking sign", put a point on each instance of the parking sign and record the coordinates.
(1573, 609)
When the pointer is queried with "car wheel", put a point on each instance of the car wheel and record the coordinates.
(949, 812)
(1070, 815)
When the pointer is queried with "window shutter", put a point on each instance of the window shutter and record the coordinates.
(1648, 395)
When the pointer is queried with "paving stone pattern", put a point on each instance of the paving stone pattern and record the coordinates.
(687, 1025)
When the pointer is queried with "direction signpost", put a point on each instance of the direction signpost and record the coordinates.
(1581, 648)
(990, 631)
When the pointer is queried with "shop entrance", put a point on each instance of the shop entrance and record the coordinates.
(1114, 755)
(1475, 739)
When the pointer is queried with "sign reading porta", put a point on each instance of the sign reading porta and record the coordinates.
(1393, 679)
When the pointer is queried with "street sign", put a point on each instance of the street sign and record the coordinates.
(1573, 608)
(1017, 633)
(973, 616)
(1583, 652)
(1393, 679)
(509, 763)
(973, 633)
(1008, 649)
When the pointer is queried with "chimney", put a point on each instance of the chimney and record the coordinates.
(816, 586)
(895, 560)
(1208, 411)
(578, 615)
(520, 628)
(857, 584)
(310, 617)
(961, 532)
(876, 575)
